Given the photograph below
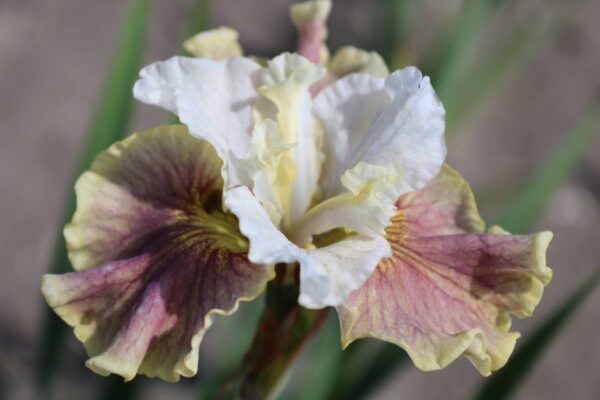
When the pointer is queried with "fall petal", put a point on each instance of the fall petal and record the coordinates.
(157, 259)
(446, 292)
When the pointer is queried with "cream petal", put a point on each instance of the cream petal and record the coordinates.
(215, 44)
(366, 208)
(294, 167)
(347, 109)
(352, 60)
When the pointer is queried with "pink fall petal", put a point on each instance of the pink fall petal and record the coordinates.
(448, 289)
(157, 258)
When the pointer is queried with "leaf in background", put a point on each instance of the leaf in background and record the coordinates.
(464, 90)
(367, 367)
(197, 18)
(397, 23)
(114, 388)
(109, 124)
(235, 335)
(506, 381)
(533, 198)
(456, 44)
(319, 364)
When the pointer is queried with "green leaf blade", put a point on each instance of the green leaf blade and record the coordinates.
(465, 90)
(523, 211)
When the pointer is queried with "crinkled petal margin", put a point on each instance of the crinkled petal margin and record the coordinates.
(158, 259)
(449, 289)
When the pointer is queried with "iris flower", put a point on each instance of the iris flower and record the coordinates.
(333, 166)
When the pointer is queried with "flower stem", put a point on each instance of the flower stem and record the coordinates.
(285, 327)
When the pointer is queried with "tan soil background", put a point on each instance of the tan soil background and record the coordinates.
(53, 57)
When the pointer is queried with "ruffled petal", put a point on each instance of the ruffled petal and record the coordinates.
(383, 138)
(289, 162)
(215, 44)
(448, 289)
(213, 98)
(327, 274)
(157, 259)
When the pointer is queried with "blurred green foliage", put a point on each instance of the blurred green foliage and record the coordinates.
(533, 197)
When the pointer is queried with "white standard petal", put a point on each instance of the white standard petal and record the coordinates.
(347, 109)
(379, 121)
(213, 98)
(327, 275)
(383, 138)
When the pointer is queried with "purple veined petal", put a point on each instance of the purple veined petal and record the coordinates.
(449, 289)
(156, 257)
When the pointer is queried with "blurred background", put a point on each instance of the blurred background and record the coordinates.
(517, 78)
